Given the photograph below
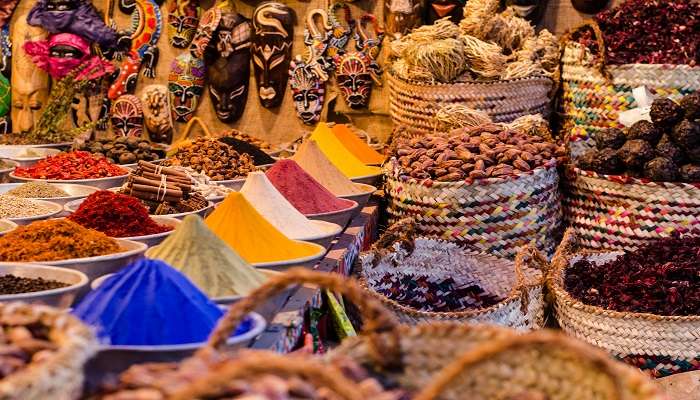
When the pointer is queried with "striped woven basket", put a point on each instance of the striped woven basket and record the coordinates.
(660, 345)
(622, 213)
(414, 105)
(494, 215)
(453, 271)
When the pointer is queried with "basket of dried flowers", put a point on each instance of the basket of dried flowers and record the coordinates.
(638, 43)
(422, 279)
(642, 306)
(45, 350)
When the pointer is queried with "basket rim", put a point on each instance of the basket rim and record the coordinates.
(534, 78)
(630, 180)
(572, 45)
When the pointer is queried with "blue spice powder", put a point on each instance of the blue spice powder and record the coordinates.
(150, 303)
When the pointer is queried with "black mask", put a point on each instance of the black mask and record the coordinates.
(532, 10)
(589, 6)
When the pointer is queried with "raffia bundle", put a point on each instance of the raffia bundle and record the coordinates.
(475, 13)
(454, 116)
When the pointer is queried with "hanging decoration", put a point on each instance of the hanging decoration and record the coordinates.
(145, 31)
(185, 86)
(183, 19)
(401, 16)
(156, 114)
(438, 9)
(89, 106)
(126, 116)
(63, 52)
(5, 100)
(79, 17)
(205, 31)
(273, 32)
(5, 51)
(342, 27)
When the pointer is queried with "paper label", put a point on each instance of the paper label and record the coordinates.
(644, 98)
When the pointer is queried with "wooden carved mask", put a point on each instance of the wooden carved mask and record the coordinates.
(156, 113)
(228, 66)
(183, 19)
(436, 9)
(185, 85)
(126, 116)
(400, 16)
(308, 90)
(589, 6)
(532, 10)
(273, 31)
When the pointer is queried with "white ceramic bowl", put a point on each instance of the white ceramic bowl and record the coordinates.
(15, 154)
(5, 172)
(6, 226)
(309, 261)
(72, 206)
(368, 179)
(330, 231)
(74, 191)
(340, 217)
(56, 209)
(361, 198)
(156, 238)
(101, 183)
(61, 297)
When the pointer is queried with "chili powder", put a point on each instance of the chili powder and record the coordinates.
(73, 165)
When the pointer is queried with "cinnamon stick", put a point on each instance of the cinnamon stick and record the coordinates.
(152, 196)
(155, 189)
(156, 183)
(150, 167)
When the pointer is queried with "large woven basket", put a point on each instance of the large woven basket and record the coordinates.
(414, 105)
(661, 345)
(622, 213)
(59, 376)
(495, 215)
(434, 272)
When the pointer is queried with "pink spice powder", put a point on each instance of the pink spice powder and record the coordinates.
(302, 190)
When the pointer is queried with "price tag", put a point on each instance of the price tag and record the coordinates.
(644, 98)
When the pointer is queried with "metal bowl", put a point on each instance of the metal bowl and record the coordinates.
(72, 206)
(235, 184)
(368, 179)
(330, 231)
(100, 183)
(340, 217)
(309, 261)
(14, 154)
(75, 191)
(61, 145)
(361, 198)
(156, 238)
(6, 226)
(61, 297)
(5, 172)
(57, 209)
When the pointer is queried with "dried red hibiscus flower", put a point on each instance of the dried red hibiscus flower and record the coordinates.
(661, 278)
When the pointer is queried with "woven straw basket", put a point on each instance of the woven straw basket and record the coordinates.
(594, 94)
(396, 272)
(661, 345)
(59, 376)
(414, 105)
(495, 215)
(622, 213)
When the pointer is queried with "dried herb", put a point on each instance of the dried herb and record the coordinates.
(71, 166)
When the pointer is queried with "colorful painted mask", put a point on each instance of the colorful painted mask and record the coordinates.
(64, 52)
(316, 38)
(89, 105)
(532, 10)
(228, 66)
(126, 116)
(400, 16)
(73, 16)
(589, 6)
(183, 19)
(185, 86)
(273, 31)
(308, 90)
(342, 26)
(205, 31)
(156, 113)
(437, 9)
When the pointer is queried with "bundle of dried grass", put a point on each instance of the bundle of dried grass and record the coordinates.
(508, 31)
(532, 125)
(411, 72)
(444, 58)
(520, 69)
(548, 50)
(476, 12)
(459, 116)
(485, 59)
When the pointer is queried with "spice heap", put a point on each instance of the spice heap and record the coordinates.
(163, 190)
(660, 278)
(123, 150)
(278, 211)
(486, 151)
(162, 302)
(648, 32)
(54, 240)
(11, 284)
(303, 191)
(116, 215)
(37, 190)
(485, 46)
(18, 207)
(315, 163)
(356, 146)
(216, 159)
(667, 149)
(244, 137)
(258, 155)
(339, 155)
(238, 224)
(70, 166)
(207, 261)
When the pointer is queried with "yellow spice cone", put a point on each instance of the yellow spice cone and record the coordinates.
(357, 146)
(341, 157)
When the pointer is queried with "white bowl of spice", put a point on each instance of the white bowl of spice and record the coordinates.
(27, 156)
(59, 193)
(6, 226)
(24, 211)
(6, 167)
(39, 284)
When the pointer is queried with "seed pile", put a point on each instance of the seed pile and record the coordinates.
(11, 284)
(661, 278)
(70, 166)
(216, 159)
(486, 151)
(17, 207)
(123, 150)
(37, 190)
(256, 153)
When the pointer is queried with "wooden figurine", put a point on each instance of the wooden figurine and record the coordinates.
(126, 116)
(437, 9)
(156, 114)
(183, 19)
(401, 16)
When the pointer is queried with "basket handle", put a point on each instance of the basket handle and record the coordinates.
(528, 255)
(187, 131)
(251, 363)
(483, 353)
(376, 318)
(602, 61)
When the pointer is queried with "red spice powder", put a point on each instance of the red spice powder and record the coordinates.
(71, 166)
(116, 215)
(303, 191)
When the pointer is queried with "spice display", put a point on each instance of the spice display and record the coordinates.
(665, 149)
(11, 284)
(278, 211)
(18, 207)
(238, 224)
(164, 190)
(486, 151)
(303, 191)
(203, 184)
(238, 135)
(315, 163)
(162, 302)
(660, 278)
(71, 166)
(207, 261)
(54, 240)
(116, 215)
(259, 157)
(356, 146)
(123, 150)
(339, 155)
(216, 159)
(37, 190)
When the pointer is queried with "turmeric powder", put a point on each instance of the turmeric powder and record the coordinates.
(356, 146)
(341, 157)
